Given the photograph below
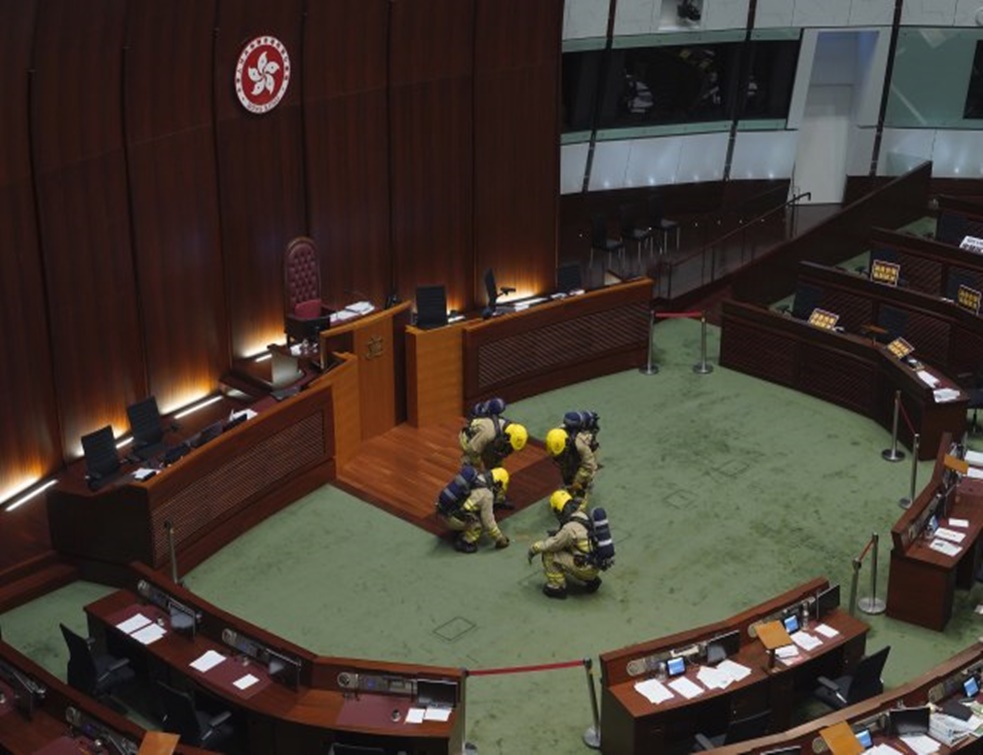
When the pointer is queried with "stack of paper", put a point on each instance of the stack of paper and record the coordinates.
(141, 629)
(806, 641)
(944, 547)
(942, 395)
(654, 691)
(928, 378)
(361, 307)
(733, 669)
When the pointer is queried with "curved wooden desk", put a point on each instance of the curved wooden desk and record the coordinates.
(338, 699)
(631, 725)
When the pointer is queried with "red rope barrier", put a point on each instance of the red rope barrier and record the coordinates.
(904, 416)
(521, 669)
(865, 550)
(678, 314)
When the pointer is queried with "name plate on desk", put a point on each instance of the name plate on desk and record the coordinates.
(969, 299)
(822, 318)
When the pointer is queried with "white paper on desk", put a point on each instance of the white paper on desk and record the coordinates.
(943, 395)
(143, 473)
(973, 457)
(437, 714)
(786, 651)
(826, 630)
(961, 523)
(361, 307)
(149, 634)
(711, 678)
(249, 414)
(654, 691)
(341, 315)
(974, 472)
(686, 688)
(135, 622)
(415, 715)
(928, 378)
(733, 669)
(806, 641)
(951, 535)
(246, 681)
(209, 660)
(921, 744)
(944, 547)
(883, 749)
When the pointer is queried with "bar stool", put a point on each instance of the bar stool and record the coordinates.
(663, 227)
(641, 237)
(600, 241)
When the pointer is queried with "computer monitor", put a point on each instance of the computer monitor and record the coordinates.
(568, 278)
(431, 307)
(101, 459)
(971, 687)
(437, 693)
(209, 433)
(723, 646)
(904, 721)
(675, 666)
(865, 739)
(791, 623)
(283, 668)
(827, 601)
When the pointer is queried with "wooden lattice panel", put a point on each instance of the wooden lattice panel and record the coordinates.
(553, 346)
(840, 379)
(854, 310)
(930, 337)
(921, 273)
(212, 497)
(742, 348)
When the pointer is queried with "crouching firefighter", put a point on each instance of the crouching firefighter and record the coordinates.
(467, 506)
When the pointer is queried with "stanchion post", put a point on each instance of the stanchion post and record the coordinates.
(892, 453)
(906, 501)
(171, 551)
(872, 604)
(592, 737)
(649, 368)
(702, 368)
(853, 584)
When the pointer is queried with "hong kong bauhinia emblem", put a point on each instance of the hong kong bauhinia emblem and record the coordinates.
(262, 74)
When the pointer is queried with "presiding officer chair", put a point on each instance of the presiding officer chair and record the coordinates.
(97, 675)
(863, 683)
(194, 726)
(738, 730)
(305, 315)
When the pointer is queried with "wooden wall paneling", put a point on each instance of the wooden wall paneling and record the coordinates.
(174, 194)
(431, 143)
(30, 447)
(84, 216)
(347, 150)
(261, 174)
(516, 143)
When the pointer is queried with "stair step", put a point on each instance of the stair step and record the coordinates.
(23, 583)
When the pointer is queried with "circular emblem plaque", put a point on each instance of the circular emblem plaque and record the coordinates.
(262, 74)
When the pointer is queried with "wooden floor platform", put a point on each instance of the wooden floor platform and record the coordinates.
(403, 470)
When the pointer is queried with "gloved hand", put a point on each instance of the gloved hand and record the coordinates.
(502, 542)
(531, 554)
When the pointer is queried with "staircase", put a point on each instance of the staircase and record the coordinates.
(34, 577)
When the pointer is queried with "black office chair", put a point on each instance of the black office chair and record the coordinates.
(97, 675)
(599, 241)
(865, 682)
(101, 457)
(738, 730)
(145, 425)
(194, 726)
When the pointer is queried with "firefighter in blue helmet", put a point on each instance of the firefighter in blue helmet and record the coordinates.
(476, 512)
(567, 553)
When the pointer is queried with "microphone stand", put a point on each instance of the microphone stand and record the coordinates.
(170, 548)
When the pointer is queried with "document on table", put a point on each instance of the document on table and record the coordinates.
(149, 634)
(921, 744)
(826, 630)
(787, 652)
(144, 473)
(928, 378)
(415, 715)
(686, 688)
(951, 535)
(711, 678)
(135, 622)
(944, 547)
(883, 749)
(975, 472)
(246, 681)
(437, 714)
(733, 669)
(961, 523)
(943, 395)
(974, 457)
(806, 641)
(654, 691)
(207, 661)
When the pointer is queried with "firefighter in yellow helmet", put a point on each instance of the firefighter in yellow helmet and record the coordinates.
(567, 554)
(487, 440)
(574, 452)
(476, 513)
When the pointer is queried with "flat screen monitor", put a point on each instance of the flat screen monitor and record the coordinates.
(723, 646)
(791, 623)
(431, 307)
(283, 668)
(568, 278)
(675, 666)
(908, 721)
(971, 687)
(827, 601)
(865, 739)
(436, 693)
(209, 433)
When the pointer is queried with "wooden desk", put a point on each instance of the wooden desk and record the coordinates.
(926, 264)
(936, 685)
(558, 343)
(631, 725)
(49, 730)
(214, 493)
(350, 701)
(922, 581)
(841, 368)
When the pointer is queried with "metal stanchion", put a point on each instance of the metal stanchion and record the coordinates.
(650, 368)
(906, 501)
(853, 584)
(702, 368)
(170, 548)
(892, 453)
(873, 604)
(592, 737)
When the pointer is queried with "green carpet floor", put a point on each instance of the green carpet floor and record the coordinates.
(722, 491)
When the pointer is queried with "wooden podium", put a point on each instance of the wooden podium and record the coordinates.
(377, 342)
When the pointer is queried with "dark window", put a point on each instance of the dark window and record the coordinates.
(974, 95)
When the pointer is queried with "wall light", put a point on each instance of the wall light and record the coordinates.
(196, 407)
(27, 497)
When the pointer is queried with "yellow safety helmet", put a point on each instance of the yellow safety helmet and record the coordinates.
(559, 500)
(556, 441)
(517, 435)
(501, 477)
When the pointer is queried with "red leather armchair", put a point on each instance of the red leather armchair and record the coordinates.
(305, 313)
